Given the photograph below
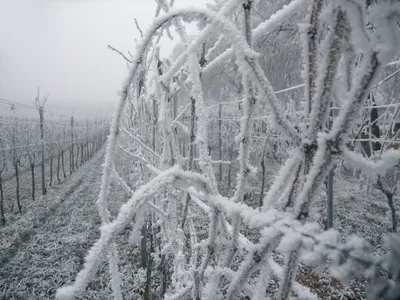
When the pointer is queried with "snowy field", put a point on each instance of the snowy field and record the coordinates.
(44, 248)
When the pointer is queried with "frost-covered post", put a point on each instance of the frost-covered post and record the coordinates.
(16, 161)
(192, 137)
(3, 163)
(40, 107)
(51, 145)
(220, 139)
(261, 201)
(31, 152)
(329, 183)
(330, 200)
(71, 157)
(62, 153)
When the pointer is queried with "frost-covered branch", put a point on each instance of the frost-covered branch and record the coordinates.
(188, 253)
(321, 97)
(137, 140)
(310, 50)
(120, 53)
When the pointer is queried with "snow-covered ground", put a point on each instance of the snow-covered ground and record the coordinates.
(25, 187)
(44, 249)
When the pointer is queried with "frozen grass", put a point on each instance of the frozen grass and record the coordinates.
(45, 248)
(9, 186)
(20, 228)
(357, 212)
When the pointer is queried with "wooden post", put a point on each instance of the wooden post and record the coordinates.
(330, 200)
(2, 217)
(41, 111)
(220, 139)
(33, 180)
(329, 221)
(261, 201)
(72, 145)
(62, 155)
(87, 140)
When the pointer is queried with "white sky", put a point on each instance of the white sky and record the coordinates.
(61, 46)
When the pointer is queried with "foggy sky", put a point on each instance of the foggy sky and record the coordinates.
(61, 46)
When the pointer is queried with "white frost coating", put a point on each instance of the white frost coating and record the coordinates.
(116, 280)
(213, 48)
(266, 92)
(324, 81)
(243, 137)
(202, 120)
(305, 54)
(158, 210)
(253, 217)
(162, 110)
(228, 8)
(277, 18)
(135, 236)
(357, 96)
(211, 287)
(205, 159)
(122, 182)
(218, 61)
(158, 10)
(182, 112)
(109, 231)
(247, 65)
(195, 245)
(203, 192)
(181, 126)
(280, 180)
(394, 63)
(263, 281)
(262, 29)
(112, 139)
(373, 167)
(320, 167)
(112, 142)
(143, 161)
(141, 144)
(302, 292)
(65, 293)
(179, 28)
(268, 241)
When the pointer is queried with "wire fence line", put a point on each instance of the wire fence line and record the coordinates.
(56, 147)
(40, 144)
(23, 139)
(12, 104)
(378, 128)
(19, 134)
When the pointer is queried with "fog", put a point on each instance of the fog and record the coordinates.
(61, 46)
